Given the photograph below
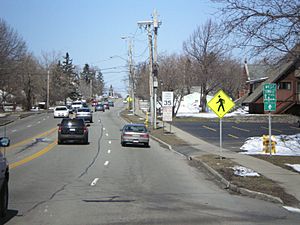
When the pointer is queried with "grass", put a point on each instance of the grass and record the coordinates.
(259, 184)
(281, 160)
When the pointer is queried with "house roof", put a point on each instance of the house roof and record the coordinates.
(257, 71)
(274, 75)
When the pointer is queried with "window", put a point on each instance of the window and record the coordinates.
(285, 85)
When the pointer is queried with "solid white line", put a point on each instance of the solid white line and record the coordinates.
(109, 151)
(106, 163)
(94, 182)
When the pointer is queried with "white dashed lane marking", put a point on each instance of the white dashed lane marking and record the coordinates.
(109, 151)
(94, 182)
(106, 163)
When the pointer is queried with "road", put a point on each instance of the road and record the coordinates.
(104, 183)
(234, 134)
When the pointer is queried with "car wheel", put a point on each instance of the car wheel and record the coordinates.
(59, 142)
(123, 143)
(147, 145)
(4, 198)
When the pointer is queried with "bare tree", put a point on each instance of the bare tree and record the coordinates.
(205, 49)
(12, 50)
(269, 28)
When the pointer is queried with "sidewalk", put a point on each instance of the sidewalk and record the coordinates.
(288, 180)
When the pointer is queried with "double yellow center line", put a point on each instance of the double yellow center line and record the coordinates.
(35, 155)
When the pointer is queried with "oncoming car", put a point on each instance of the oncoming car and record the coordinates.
(73, 130)
(134, 134)
(61, 111)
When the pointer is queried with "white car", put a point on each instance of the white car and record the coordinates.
(61, 111)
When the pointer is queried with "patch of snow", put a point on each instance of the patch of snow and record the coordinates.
(244, 172)
(296, 167)
(292, 209)
(286, 145)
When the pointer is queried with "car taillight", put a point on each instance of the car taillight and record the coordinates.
(128, 135)
(85, 129)
(145, 135)
(59, 129)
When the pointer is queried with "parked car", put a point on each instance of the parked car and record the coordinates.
(85, 113)
(73, 129)
(61, 111)
(4, 177)
(99, 107)
(135, 134)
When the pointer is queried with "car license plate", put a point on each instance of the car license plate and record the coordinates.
(72, 129)
(135, 141)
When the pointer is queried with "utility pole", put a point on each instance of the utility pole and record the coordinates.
(148, 27)
(156, 24)
(131, 71)
(48, 89)
(131, 74)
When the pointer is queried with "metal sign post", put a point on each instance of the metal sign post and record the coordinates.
(269, 96)
(221, 104)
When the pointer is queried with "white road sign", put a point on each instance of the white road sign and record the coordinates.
(167, 98)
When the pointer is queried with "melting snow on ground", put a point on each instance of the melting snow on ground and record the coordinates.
(294, 166)
(244, 172)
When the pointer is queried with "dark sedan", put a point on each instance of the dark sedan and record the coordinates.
(99, 107)
(73, 130)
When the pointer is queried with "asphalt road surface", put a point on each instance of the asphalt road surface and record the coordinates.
(104, 183)
(234, 134)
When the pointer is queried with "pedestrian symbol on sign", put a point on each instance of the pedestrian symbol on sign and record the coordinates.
(221, 102)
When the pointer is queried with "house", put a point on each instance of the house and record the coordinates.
(286, 76)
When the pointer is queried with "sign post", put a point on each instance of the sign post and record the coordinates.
(221, 104)
(167, 104)
(269, 96)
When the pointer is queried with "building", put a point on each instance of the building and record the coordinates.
(286, 76)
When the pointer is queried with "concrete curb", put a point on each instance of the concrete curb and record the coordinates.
(232, 187)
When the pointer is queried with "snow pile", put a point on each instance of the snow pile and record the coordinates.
(296, 167)
(286, 145)
(244, 172)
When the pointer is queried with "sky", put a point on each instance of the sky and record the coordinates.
(91, 30)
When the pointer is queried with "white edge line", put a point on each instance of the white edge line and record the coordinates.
(94, 181)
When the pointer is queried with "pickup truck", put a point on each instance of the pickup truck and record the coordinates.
(4, 177)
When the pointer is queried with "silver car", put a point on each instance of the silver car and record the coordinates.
(85, 113)
(135, 134)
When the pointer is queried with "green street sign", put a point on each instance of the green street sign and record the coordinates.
(270, 105)
(269, 95)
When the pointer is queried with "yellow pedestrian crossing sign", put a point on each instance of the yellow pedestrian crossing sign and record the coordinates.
(221, 103)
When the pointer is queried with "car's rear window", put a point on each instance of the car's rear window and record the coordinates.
(60, 108)
(83, 110)
(72, 122)
(139, 129)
